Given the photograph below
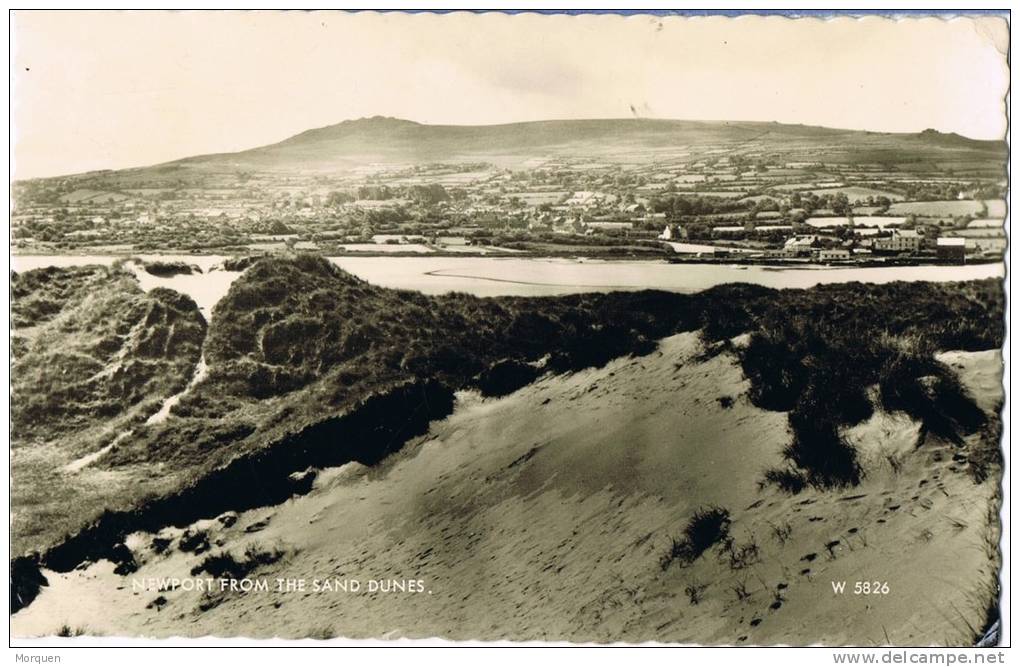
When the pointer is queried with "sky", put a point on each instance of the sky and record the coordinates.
(109, 90)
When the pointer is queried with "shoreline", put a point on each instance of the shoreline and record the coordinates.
(677, 258)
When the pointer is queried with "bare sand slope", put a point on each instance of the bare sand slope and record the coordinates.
(544, 515)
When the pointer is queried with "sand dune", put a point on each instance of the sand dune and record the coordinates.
(544, 515)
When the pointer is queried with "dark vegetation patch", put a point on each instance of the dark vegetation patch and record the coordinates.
(224, 565)
(788, 479)
(929, 391)
(708, 526)
(67, 631)
(505, 377)
(818, 358)
(26, 580)
(240, 263)
(166, 269)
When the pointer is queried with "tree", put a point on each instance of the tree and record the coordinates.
(841, 204)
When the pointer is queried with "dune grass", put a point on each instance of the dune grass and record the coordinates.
(707, 527)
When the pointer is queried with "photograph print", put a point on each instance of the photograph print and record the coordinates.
(492, 326)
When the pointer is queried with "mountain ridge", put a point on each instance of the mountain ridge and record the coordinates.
(388, 140)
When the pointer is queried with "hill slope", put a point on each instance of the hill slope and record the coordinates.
(373, 141)
(390, 140)
(94, 355)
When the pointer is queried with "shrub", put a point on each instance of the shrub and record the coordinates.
(930, 392)
(707, 527)
(695, 592)
(741, 556)
(787, 479)
(506, 377)
(820, 451)
(67, 631)
(224, 565)
(775, 370)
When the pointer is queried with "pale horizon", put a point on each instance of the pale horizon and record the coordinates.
(164, 86)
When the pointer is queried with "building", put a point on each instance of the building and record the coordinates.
(902, 240)
(800, 244)
(833, 254)
(951, 248)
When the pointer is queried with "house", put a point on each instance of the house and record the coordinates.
(902, 240)
(799, 245)
(833, 254)
(951, 248)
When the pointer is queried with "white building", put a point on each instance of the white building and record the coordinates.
(833, 254)
(902, 240)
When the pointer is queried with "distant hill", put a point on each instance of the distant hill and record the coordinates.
(391, 140)
(380, 140)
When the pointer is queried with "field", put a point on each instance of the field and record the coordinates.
(948, 208)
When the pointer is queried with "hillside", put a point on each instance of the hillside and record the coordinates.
(310, 367)
(93, 356)
(378, 140)
(390, 140)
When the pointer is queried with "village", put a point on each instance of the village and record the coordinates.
(689, 206)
